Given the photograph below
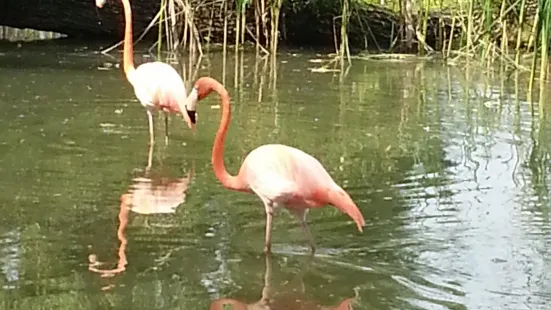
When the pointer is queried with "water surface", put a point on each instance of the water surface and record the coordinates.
(448, 165)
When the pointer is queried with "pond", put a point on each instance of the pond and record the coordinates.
(448, 166)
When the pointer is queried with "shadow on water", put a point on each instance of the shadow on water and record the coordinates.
(450, 168)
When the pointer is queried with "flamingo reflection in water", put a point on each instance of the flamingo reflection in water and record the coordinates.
(270, 301)
(146, 196)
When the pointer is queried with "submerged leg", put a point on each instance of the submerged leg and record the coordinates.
(301, 216)
(150, 120)
(269, 214)
(266, 290)
(166, 128)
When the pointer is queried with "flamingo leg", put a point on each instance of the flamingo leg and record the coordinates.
(308, 234)
(301, 216)
(149, 160)
(268, 205)
(166, 129)
(150, 120)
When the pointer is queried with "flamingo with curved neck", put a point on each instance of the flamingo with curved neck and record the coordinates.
(157, 85)
(280, 175)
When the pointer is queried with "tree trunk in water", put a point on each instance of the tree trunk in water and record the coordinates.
(344, 32)
(407, 7)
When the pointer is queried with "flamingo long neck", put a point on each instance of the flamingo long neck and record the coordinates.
(128, 57)
(227, 180)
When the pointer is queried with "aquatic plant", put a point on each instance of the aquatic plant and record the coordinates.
(487, 32)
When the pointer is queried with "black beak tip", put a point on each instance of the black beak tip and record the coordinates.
(192, 116)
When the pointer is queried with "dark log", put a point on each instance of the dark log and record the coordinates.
(306, 23)
(311, 23)
(76, 18)
(81, 19)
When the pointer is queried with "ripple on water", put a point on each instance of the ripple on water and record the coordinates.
(432, 295)
(478, 222)
(429, 199)
(10, 258)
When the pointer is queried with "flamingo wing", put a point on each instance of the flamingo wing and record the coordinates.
(283, 174)
(158, 84)
(272, 187)
(146, 92)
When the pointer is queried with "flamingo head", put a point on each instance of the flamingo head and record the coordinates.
(100, 3)
(202, 88)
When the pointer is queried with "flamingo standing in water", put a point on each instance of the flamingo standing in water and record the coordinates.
(280, 175)
(156, 84)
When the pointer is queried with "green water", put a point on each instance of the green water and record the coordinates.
(448, 166)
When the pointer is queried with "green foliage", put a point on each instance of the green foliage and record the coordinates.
(241, 5)
(545, 30)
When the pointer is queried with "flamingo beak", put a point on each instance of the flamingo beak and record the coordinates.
(192, 116)
(190, 107)
(193, 120)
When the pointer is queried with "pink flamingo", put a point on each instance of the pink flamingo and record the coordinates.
(280, 175)
(156, 84)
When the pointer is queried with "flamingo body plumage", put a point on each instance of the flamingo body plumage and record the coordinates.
(280, 175)
(286, 176)
(157, 85)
